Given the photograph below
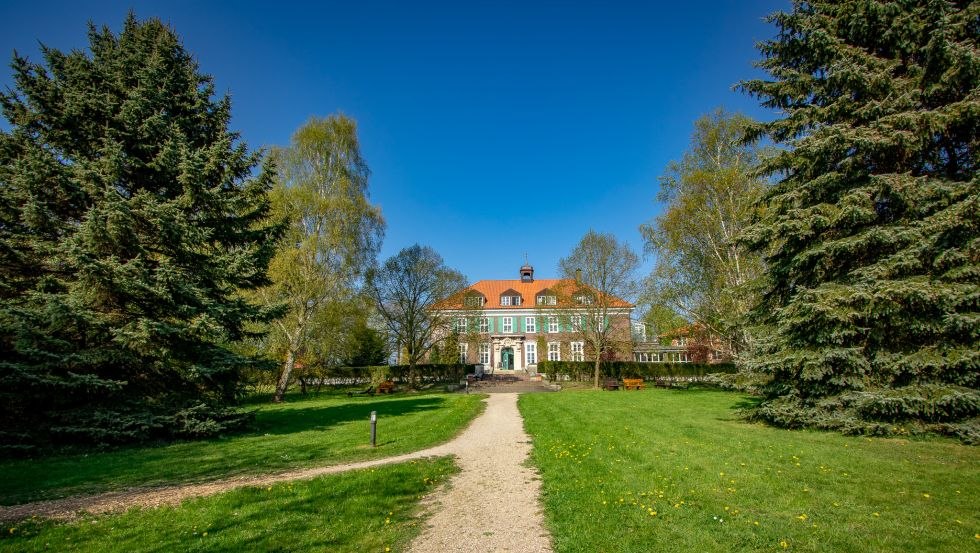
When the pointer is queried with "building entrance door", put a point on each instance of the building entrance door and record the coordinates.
(507, 359)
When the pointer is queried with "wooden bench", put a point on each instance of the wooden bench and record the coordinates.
(386, 387)
(610, 384)
(634, 383)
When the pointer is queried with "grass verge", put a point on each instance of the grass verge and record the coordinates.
(366, 510)
(666, 470)
(299, 433)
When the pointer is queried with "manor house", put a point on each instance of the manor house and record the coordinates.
(512, 324)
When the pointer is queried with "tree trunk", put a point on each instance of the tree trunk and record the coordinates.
(287, 370)
(596, 374)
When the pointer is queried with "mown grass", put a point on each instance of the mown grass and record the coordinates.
(367, 510)
(666, 470)
(298, 433)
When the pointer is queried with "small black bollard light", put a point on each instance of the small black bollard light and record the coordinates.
(374, 428)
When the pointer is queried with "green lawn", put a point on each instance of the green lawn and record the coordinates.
(326, 430)
(669, 470)
(367, 510)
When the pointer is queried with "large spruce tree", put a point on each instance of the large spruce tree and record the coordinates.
(130, 218)
(872, 234)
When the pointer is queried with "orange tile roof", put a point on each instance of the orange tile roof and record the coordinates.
(492, 289)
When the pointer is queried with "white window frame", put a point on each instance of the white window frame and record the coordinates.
(530, 353)
(484, 324)
(547, 300)
(578, 351)
(460, 325)
(504, 300)
(516, 300)
(484, 354)
(576, 323)
(553, 325)
(599, 321)
(530, 325)
(462, 353)
(507, 325)
(554, 351)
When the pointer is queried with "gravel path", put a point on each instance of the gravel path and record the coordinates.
(491, 505)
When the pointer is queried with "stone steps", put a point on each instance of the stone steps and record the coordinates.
(508, 382)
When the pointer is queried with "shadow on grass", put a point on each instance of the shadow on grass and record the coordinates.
(266, 446)
(747, 403)
(290, 420)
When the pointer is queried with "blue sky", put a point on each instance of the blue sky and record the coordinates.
(492, 129)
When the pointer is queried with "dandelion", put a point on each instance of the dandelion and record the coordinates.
(784, 544)
(925, 495)
(876, 514)
(802, 517)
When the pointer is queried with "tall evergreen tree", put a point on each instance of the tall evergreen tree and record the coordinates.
(129, 220)
(872, 235)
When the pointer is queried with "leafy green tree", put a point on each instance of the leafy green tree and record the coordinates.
(130, 218)
(702, 271)
(367, 345)
(660, 320)
(332, 238)
(599, 277)
(405, 289)
(872, 234)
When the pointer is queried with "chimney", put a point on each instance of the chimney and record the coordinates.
(578, 276)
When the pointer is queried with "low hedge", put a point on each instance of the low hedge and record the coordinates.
(427, 372)
(583, 370)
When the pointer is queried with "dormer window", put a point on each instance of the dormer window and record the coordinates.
(546, 299)
(510, 297)
(584, 299)
(474, 300)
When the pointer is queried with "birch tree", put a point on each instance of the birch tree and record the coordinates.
(702, 272)
(333, 233)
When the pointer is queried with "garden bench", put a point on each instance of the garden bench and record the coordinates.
(611, 384)
(635, 383)
(386, 387)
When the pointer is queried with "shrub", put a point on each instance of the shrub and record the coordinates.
(582, 370)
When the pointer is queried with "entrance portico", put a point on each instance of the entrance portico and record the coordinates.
(507, 353)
